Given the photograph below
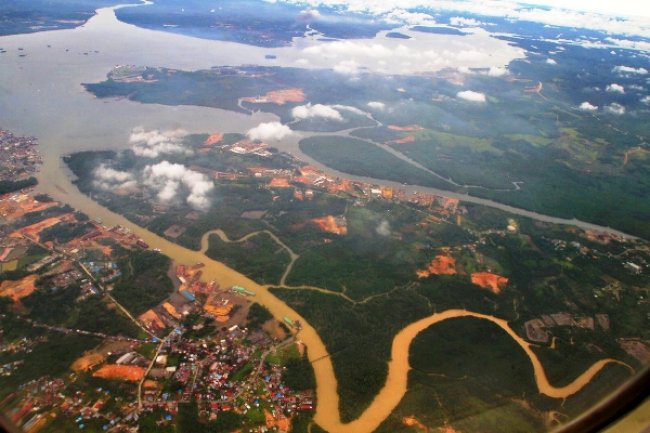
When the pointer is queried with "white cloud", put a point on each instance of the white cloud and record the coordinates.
(497, 72)
(171, 180)
(108, 178)
(470, 55)
(615, 108)
(469, 95)
(551, 62)
(376, 105)
(350, 48)
(586, 106)
(269, 131)
(645, 100)
(348, 67)
(350, 108)
(615, 88)
(309, 14)
(424, 53)
(464, 22)
(383, 229)
(409, 18)
(629, 17)
(309, 111)
(153, 143)
(628, 44)
(628, 70)
(111, 175)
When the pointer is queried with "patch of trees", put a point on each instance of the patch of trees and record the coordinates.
(64, 232)
(299, 374)
(95, 316)
(259, 257)
(7, 186)
(257, 315)
(144, 282)
(52, 358)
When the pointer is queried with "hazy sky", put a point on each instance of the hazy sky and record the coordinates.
(639, 8)
(616, 17)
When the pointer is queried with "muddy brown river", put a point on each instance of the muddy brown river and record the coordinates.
(327, 410)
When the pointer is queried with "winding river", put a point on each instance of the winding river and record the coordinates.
(40, 94)
(327, 411)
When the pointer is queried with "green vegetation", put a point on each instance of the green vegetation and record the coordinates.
(303, 423)
(258, 257)
(575, 351)
(242, 19)
(358, 337)
(225, 423)
(59, 306)
(242, 373)
(147, 350)
(468, 374)
(51, 357)
(64, 232)
(563, 162)
(33, 254)
(384, 247)
(349, 120)
(149, 423)
(33, 217)
(257, 316)
(373, 270)
(187, 420)
(361, 158)
(357, 267)
(96, 316)
(285, 354)
(19, 17)
(299, 374)
(568, 164)
(144, 282)
(7, 186)
(223, 87)
(52, 305)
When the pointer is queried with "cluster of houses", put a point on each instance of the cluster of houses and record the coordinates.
(19, 157)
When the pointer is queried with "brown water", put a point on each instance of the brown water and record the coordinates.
(41, 94)
(398, 367)
(327, 411)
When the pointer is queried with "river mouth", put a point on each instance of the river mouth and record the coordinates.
(42, 95)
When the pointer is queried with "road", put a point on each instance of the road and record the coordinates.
(78, 331)
(149, 367)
